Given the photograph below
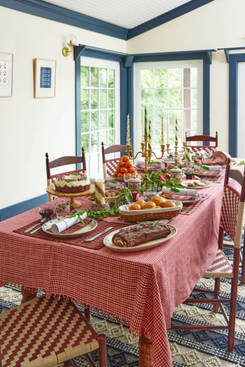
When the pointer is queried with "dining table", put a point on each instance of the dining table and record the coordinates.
(140, 289)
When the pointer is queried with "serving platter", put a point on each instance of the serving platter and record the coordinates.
(144, 246)
(195, 185)
(84, 230)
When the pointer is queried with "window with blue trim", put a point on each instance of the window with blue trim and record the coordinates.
(170, 90)
(100, 108)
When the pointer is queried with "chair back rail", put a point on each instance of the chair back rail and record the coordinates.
(203, 138)
(110, 165)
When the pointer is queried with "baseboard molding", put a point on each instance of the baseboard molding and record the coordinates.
(15, 209)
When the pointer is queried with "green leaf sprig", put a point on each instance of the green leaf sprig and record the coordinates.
(78, 214)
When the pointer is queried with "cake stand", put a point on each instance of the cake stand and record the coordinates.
(76, 204)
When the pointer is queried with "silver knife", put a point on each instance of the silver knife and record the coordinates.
(29, 229)
(92, 238)
(35, 230)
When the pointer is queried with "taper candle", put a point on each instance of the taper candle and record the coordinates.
(145, 121)
(176, 130)
(149, 144)
(183, 140)
(128, 134)
(143, 125)
(100, 192)
(162, 132)
(167, 130)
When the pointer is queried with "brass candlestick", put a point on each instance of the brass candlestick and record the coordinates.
(168, 148)
(176, 152)
(145, 152)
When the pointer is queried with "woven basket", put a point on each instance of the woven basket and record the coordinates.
(150, 216)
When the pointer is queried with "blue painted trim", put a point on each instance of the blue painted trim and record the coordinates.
(130, 78)
(77, 51)
(227, 55)
(205, 55)
(166, 17)
(78, 108)
(233, 101)
(128, 61)
(16, 209)
(100, 54)
(58, 14)
(206, 99)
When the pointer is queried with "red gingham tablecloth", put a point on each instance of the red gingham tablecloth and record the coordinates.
(141, 287)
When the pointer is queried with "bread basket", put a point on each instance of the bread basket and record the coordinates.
(149, 214)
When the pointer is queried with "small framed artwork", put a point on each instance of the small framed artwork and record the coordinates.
(44, 78)
(6, 75)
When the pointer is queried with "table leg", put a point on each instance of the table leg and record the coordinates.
(27, 295)
(144, 351)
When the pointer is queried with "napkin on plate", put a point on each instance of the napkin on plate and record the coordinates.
(66, 223)
(182, 192)
(211, 168)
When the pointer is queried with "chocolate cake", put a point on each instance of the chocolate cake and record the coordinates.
(141, 233)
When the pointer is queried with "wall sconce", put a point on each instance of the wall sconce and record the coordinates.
(71, 40)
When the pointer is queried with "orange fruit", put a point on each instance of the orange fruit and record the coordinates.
(128, 164)
(124, 170)
(121, 164)
(131, 170)
(115, 173)
(120, 174)
(125, 158)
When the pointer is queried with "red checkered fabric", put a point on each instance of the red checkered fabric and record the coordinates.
(229, 210)
(221, 267)
(208, 149)
(111, 166)
(143, 288)
(44, 332)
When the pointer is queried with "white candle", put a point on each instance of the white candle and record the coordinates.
(143, 125)
(100, 192)
(184, 127)
(162, 133)
(167, 130)
(128, 133)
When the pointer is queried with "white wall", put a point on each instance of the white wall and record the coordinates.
(31, 127)
(219, 24)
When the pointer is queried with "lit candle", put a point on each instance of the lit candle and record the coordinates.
(184, 127)
(162, 133)
(167, 130)
(149, 144)
(143, 125)
(128, 134)
(145, 121)
(99, 192)
(176, 130)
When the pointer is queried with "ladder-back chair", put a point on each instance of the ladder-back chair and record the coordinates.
(110, 165)
(45, 332)
(63, 161)
(202, 138)
(231, 222)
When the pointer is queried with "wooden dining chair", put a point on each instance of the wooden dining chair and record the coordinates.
(231, 222)
(236, 175)
(110, 165)
(63, 161)
(44, 332)
(202, 138)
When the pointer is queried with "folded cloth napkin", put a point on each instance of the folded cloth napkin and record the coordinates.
(66, 223)
(182, 192)
(211, 168)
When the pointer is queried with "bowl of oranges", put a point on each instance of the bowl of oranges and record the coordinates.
(124, 167)
(157, 208)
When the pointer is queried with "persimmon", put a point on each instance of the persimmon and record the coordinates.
(121, 163)
(115, 173)
(124, 170)
(128, 164)
(131, 170)
(125, 158)
(120, 175)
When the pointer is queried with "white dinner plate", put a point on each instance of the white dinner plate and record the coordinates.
(206, 184)
(84, 230)
(144, 246)
(186, 201)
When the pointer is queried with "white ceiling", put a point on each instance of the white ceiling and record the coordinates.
(124, 13)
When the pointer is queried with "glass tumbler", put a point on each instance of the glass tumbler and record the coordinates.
(62, 207)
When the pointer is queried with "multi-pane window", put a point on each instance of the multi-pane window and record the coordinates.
(99, 109)
(173, 91)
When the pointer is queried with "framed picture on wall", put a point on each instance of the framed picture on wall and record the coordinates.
(6, 74)
(44, 78)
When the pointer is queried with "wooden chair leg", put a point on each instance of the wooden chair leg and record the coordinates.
(243, 261)
(87, 313)
(67, 364)
(102, 350)
(232, 318)
(27, 295)
(216, 290)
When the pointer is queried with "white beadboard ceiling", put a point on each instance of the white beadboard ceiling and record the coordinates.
(124, 13)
